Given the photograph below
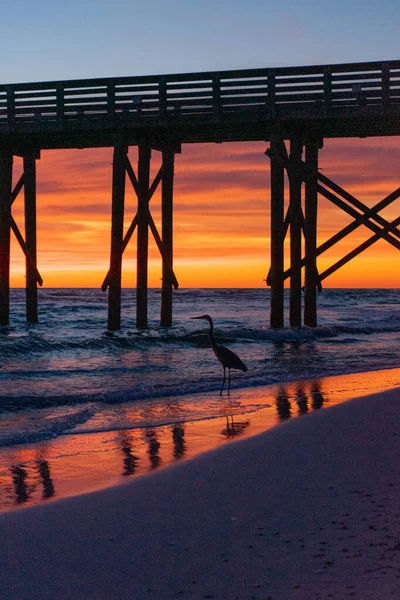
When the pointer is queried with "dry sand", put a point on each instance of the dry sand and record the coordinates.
(309, 509)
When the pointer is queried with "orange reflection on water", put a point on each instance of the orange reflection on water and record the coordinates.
(75, 464)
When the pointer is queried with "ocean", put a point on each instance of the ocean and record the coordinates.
(81, 407)
(70, 373)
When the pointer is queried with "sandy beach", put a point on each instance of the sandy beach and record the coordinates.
(306, 510)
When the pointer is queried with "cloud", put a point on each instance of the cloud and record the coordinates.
(79, 209)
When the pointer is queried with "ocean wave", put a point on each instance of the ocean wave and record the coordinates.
(14, 346)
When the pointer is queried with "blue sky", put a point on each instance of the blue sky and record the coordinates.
(49, 39)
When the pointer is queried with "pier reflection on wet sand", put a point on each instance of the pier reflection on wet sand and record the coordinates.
(74, 464)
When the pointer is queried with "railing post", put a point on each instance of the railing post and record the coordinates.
(327, 90)
(216, 96)
(162, 97)
(6, 163)
(10, 108)
(271, 93)
(60, 103)
(385, 86)
(110, 100)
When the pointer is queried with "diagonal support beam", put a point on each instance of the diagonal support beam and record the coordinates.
(24, 248)
(337, 237)
(356, 251)
(18, 187)
(383, 232)
(360, 205)
(359, 219)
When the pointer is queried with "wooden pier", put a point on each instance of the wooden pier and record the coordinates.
(292, 108)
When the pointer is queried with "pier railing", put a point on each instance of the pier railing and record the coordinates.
(315, 90)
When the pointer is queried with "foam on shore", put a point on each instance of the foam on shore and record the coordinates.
(306, 510)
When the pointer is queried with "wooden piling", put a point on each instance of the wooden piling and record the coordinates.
(167, 237)
(142, 236)
(295, 183)
(311, 201)
(6, 162)
(30, 236)
(277, 236)
(117, 228)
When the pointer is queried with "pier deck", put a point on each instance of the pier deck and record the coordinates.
(360, 99)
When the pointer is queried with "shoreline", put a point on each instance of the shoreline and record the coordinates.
(75, 464)
(308, 509)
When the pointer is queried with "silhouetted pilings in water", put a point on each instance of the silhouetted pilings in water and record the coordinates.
(29, 163)
(299, 224)
(6, 159)
(302, 226)
(7, 223)
(143, 221)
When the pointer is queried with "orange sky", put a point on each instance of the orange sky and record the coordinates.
(221, 216)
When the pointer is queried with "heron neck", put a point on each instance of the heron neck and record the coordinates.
(212, 339)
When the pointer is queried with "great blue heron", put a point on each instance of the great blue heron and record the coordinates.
(228, 359)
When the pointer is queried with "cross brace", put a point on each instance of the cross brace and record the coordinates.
(153, 228)
(18, 187)
(362, 216)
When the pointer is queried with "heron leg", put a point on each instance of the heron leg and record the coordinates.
(229, 382)
(223, 382)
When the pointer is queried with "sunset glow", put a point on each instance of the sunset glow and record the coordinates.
(221, 216)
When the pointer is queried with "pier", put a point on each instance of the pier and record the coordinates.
(293, 109)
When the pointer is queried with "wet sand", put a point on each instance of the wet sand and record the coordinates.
(74, 464)
(308, 509)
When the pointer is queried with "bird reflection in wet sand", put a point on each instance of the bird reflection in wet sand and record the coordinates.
(129, 459)
(178, 438)
(233, 428)
(45, 475)
(19, 476)
(228, 359)
(154, 447)
(283, 405)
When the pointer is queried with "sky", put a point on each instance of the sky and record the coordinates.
(221, 217)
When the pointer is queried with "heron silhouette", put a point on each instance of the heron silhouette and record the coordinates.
(228, 359)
